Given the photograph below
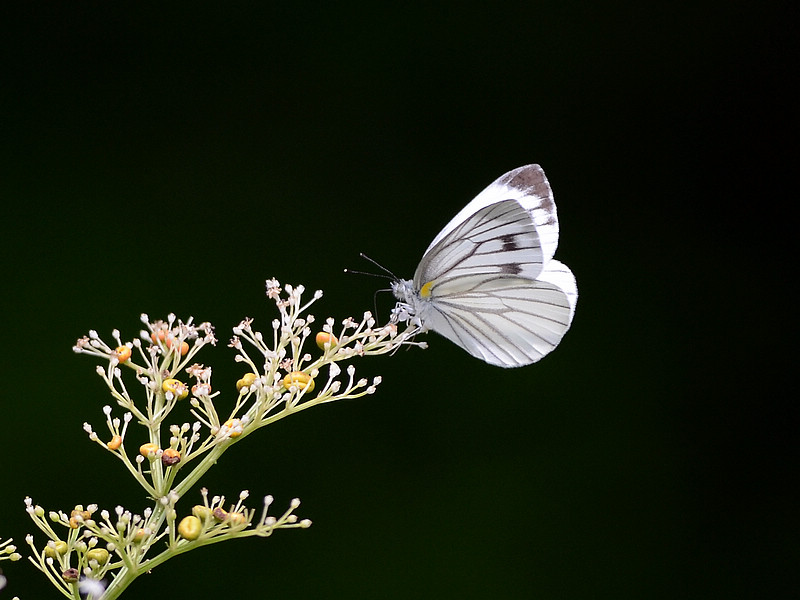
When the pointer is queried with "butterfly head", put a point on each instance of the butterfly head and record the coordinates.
(409, 301)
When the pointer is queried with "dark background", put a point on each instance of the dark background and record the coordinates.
(170, 159)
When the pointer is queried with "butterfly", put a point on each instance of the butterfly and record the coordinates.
(488, 282)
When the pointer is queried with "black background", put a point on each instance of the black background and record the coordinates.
(171, 158)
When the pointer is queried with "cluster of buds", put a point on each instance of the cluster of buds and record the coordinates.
(211, 521)
(93, 545)
(75, 558)
(284, 375)
(8, 551)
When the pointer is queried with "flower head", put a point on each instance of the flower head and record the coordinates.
(284, 374)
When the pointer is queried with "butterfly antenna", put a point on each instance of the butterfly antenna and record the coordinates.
(386, 275)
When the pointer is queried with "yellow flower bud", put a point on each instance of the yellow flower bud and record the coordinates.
(299, 379)
(58, 549)
(147, 449)
(323, 337)
(201, 512)
(123, 353)
(178, 389)
(98, 554)
(77, 518)
(190, 528)
(247, 380)
(232, 424)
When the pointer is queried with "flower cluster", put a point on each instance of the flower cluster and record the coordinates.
(8, 551)
(92, 546)
(86, 548)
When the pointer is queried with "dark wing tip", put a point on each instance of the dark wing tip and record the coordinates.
(529, 179)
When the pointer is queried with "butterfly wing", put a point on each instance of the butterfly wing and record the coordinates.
(505, 320)
(487, 281)
(515, 215)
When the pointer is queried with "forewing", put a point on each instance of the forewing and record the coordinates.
(500, 238)
(505, 321)
(527, 185)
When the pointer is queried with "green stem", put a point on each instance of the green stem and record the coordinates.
(203, 466)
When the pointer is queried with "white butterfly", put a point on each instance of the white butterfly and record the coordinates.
(488, 281)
